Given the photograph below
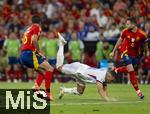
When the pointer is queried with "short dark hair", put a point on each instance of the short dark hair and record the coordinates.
(112, 72)
(132, 19)
(36, 19)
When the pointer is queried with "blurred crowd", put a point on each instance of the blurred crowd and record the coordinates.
(91, 28)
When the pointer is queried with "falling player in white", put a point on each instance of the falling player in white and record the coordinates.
(83, 74)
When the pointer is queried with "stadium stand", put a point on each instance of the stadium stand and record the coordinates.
(96, 23)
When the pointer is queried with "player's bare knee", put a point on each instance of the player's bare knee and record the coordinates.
(130, 68)
(16, 67)
(46, 66)
(40, 71)
(49, 68)
(8, 67)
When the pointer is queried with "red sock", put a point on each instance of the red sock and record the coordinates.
(21, 73)
(39, 79)
(122, 69)
(133, 80)
(8, 74)
(48, 78)
(56, 73)
(17, 74)
(30, 78)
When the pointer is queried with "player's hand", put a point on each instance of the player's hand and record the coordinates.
(113, 99)
(112, 54)
(107, 99)
(42, 55)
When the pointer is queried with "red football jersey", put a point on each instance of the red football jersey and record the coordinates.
(132, 41)
(147, 62)
(27, 44)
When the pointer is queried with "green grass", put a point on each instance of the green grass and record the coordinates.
(91, 103)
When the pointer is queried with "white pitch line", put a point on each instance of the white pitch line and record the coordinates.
(98, 103)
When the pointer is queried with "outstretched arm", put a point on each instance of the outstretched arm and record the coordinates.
(119, 42)
(102, 90)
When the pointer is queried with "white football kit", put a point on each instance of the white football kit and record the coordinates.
(84, 72)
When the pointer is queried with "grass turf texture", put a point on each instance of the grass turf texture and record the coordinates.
(91, 103)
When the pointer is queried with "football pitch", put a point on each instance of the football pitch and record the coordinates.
(91, 103)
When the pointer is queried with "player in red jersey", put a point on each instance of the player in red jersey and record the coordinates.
(146, 66)
(129, 44)
(144, 70)
(32, 57)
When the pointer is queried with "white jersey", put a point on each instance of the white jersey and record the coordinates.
(85, 72)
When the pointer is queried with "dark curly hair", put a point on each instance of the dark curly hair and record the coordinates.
(36, 19)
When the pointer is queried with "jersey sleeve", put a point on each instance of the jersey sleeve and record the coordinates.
(144, 36)
(123, 34)
(100, 79)
(101, 76)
